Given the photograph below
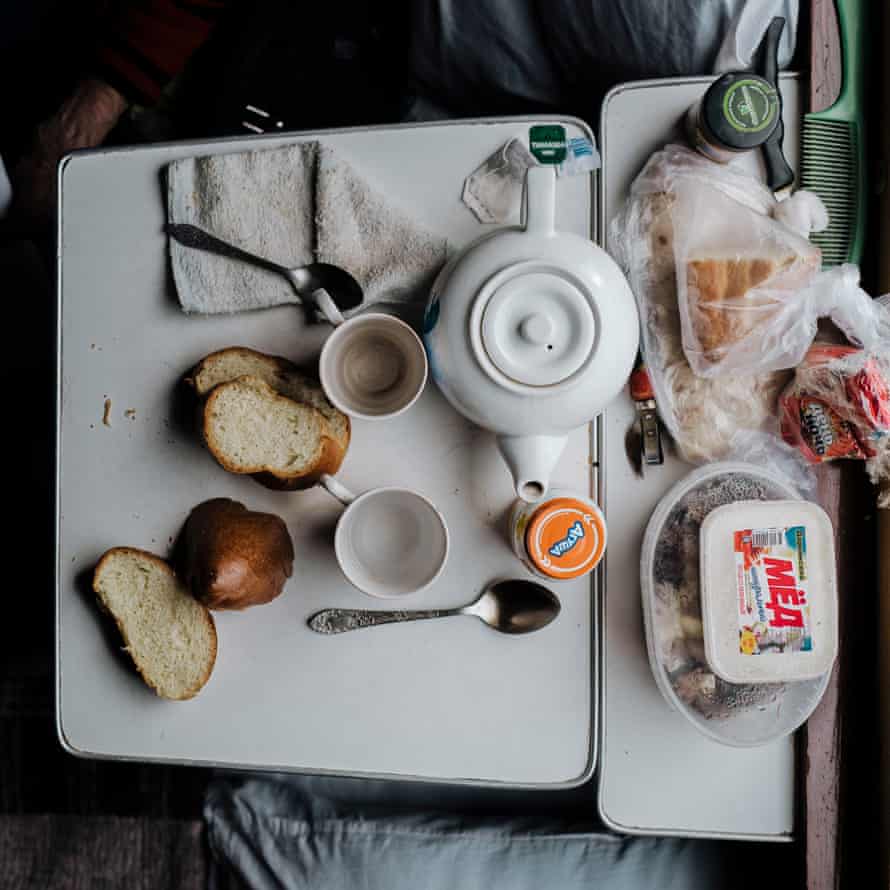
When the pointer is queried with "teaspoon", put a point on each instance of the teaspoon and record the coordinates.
(511, 607)
(332, 289)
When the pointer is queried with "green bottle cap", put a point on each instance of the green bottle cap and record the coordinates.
(740, 111)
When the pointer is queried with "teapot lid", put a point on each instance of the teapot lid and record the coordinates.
(534, 323)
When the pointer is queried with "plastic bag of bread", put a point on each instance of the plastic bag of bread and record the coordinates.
(742, 278)
(702, 415)
(705, 413)
(749, 286)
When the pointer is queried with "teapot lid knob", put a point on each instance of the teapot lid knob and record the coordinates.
(536, 328)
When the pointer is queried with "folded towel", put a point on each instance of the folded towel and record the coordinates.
(388, 253)
(263, 201)
(292, 205)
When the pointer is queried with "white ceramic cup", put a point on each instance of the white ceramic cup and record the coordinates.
(389, 542)
(373, 366)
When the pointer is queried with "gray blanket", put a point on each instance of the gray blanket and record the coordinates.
(513, 55)
(301, 833)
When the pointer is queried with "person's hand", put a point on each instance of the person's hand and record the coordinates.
(86, 117)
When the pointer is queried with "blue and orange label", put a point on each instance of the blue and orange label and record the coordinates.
(566, 538)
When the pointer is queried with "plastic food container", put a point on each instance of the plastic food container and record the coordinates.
(733, 714)
(769, 591)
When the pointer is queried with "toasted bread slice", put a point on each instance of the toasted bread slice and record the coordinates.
(169, 635)
(283, 376)
(250, 428)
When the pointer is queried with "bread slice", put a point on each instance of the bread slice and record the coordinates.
(169, 635)
(721, 308)
(250, 428)
(283, 376)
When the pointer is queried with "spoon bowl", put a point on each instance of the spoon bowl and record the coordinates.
(515, 607)
(344, 289)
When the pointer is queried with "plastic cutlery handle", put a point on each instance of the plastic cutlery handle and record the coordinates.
(192, 236)
(338, 621)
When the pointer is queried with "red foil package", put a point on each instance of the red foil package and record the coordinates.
(838, 405)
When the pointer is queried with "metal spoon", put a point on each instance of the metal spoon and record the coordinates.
(330, 288)
(511, 607)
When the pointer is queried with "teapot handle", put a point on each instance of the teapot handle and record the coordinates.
(539, 200)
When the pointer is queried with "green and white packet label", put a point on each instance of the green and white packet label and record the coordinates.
(547, 142)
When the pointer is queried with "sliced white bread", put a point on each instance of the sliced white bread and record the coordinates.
(249, 428)
(283, 376)
(169, 635)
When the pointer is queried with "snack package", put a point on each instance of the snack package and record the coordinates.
(838, 405)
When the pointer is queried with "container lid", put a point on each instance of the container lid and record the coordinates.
(566, 537)
(740, 110)
(538, 326)
(769, 591)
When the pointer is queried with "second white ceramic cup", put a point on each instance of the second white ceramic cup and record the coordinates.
(389, 542)
(373, 366)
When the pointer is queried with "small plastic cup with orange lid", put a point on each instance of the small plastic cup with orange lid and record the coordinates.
(560, 537)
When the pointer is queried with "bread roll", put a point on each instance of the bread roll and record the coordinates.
(232, 557)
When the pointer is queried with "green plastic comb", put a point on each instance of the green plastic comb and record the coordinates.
(834, 148)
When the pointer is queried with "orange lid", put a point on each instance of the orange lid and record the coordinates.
(566, 538)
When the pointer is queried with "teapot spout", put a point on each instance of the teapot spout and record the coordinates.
(531, 460)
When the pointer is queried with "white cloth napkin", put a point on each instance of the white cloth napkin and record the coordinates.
(292, 205)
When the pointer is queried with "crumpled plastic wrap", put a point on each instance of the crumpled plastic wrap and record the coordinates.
(749, 289)
(702, 415)
(742, 277)
(688, 218)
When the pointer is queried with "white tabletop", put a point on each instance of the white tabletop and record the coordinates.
(658, 775)
(448, 700)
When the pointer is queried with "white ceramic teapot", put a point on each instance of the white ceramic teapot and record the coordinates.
(531, 333)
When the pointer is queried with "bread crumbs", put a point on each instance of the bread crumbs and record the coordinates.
(106, 417)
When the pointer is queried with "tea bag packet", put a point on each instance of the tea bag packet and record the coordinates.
(582, 156)
(493, 191)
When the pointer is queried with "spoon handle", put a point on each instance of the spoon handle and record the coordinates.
(337, 621)
(192, 236)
